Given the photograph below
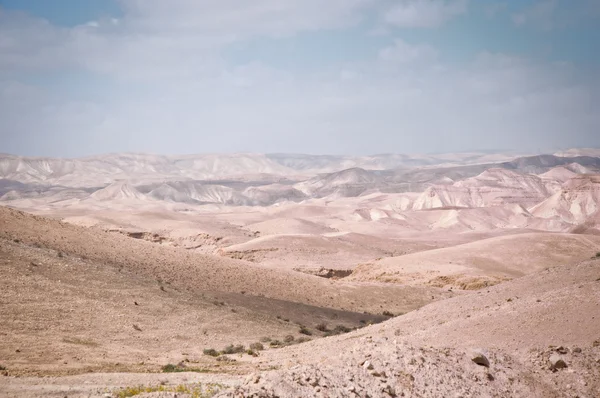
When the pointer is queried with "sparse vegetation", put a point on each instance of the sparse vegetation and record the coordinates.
(170, 368)
(275, 343)
(2, 368)
(265, 339)
(136, 327)
(233, 349)
(211, 352)
(257, 347)
(305, 330)
(288, 339)
(598, 255)
(60, 254)
(388, 313)
(322, 327)
(339, 329)
(195, 390)
(78, 341)
(342, 329)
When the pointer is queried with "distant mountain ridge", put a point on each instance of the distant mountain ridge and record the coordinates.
(447, 180)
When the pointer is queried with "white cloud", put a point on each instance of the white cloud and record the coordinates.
(164, 87)
(541, 15)
(424, 13)
(241, 17)
(404, 53)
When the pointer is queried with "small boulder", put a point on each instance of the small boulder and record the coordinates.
(479, 357)
(562, 350)
(556, 362)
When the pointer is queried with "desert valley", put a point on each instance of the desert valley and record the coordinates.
(275, 275)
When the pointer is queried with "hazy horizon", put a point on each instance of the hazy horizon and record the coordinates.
(514, 152)
(345, 77)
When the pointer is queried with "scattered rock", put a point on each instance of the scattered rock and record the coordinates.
(479, 357)
(576, 350)
(562, 350)
(557, 362)
(389, 390)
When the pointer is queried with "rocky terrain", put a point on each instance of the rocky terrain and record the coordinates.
(275, 275)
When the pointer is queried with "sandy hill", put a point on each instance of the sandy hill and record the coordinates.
(349, 182)
(461, 219)
(197, 272)
(559, 174)
(518, 326)
(473, 265)
(493, 187)
(276, 226)
(542, 163)
(318, 253)
(169, 193)
(118, 191)
(274, 193)
(196, 192)
(68, 315)
(575, 203)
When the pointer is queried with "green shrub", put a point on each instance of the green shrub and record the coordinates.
(339, 329)
(170, 368)
(342, 329)
(321, 327)
(305, 330)
(233, 349)
(289, 338)
(275, 343)
(301, 340)
(257, 347)
(211, 352)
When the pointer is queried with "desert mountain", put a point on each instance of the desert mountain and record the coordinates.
(578, 200)
(493, 187)
(118, 191)
(105, 169)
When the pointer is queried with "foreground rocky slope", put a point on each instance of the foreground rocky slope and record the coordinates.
(536, 336)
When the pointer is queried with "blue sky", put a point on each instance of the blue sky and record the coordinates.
(344, 76)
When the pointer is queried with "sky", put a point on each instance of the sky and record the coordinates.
(355, 77)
